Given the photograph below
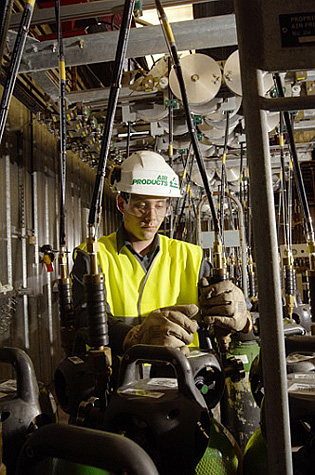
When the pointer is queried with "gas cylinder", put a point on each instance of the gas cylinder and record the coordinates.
(222, 456)
(239, 411)
(255, 460)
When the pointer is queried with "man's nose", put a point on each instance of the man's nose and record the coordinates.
(151, 212)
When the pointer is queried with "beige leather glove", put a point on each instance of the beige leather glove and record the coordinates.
(169, 326)
(223, 305)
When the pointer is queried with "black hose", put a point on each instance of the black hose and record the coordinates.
(297, 170)
(223, 175)
(111, 109)
(283, 186)
(15, 63)
(173, 49)
(63, 132)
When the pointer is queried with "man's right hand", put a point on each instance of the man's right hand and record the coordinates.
(168, 326)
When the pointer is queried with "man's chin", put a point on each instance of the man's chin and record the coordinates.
(148, 233)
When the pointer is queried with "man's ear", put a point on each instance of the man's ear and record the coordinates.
(120, 203)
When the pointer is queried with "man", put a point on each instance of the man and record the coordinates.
(152, 281)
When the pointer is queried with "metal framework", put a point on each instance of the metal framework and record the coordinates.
(263, 46)
(100, 47)
(90, 10)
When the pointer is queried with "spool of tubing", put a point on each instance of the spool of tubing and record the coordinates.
(202, 77)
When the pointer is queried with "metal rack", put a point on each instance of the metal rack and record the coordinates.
(271, 40)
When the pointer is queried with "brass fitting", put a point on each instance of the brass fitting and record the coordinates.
(288, 259)
(93, 278)
(92, 246)
(290, 304)
(219, 260)
(63, 266)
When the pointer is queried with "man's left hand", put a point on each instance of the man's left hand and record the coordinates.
(223, 305)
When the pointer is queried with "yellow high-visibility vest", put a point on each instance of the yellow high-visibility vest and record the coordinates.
(132, 293)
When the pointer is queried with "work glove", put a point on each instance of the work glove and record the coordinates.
(168, 326)
(223, 305)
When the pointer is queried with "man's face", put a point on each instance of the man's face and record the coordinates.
(143, 215)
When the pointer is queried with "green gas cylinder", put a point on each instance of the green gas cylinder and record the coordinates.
(64, 467)
(222, 456)
(239, 411)
(255, 461)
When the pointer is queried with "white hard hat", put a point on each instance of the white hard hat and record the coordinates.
(147, 173)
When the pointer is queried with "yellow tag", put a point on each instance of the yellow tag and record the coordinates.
(281, 141)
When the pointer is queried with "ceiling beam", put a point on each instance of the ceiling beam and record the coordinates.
(81, 11)
(201, 33)
(101, 96)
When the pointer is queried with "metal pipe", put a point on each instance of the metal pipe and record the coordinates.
(66, 312)
(266, 249)
(241, 233)
(8, 218)
(48, 274)
(23, 238)
(181, 183)
(284, 197)
(15, 63)
(223, 176)
(297, 169)
(128, 139)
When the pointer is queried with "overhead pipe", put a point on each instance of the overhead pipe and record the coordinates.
(15, 63)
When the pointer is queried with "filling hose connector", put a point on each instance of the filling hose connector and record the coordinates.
(289, 281)
(66, 314)
(99, 355)
(219, 271)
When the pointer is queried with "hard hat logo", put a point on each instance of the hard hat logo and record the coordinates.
(174, 183)
(146, 172)
(160, 181)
